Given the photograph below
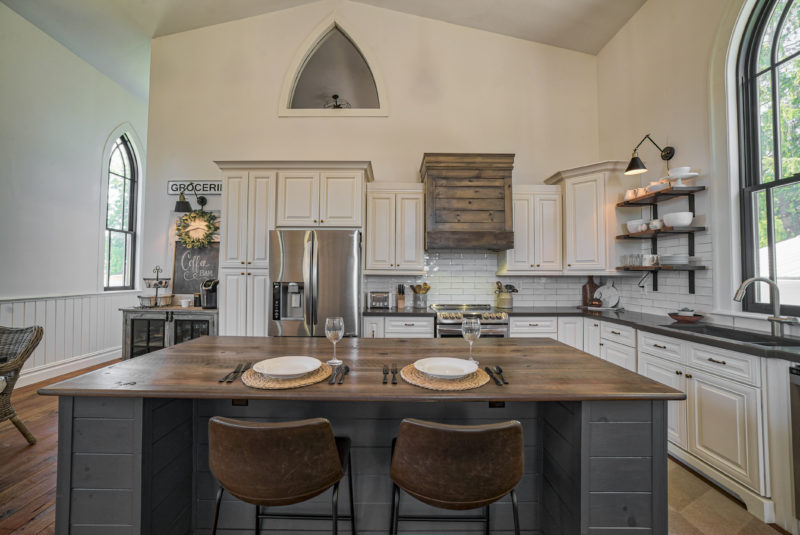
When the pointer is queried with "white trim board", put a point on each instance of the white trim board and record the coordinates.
(50, 371)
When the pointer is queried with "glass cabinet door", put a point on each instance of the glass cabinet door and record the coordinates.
(147, 335)
(186, 329)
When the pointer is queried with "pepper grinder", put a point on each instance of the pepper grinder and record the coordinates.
(401, 296)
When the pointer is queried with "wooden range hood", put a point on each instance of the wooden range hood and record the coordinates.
(468, 201)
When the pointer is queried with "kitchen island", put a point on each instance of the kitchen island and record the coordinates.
(133, 441)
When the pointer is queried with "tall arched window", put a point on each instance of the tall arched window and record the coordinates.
(769, 112)
(120, 232)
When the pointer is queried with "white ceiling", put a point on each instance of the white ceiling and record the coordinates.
(114, 35)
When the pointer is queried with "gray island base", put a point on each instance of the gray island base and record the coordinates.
(133, 463)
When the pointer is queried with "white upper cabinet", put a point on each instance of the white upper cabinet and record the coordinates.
(537, 232)
(394, 229)
(298, 198)
(584, 200)
(340, 199)
(247, 218)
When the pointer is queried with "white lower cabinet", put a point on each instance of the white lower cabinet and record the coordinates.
(591, 336)
(372, 327)
(725, 426)
(618, 354)
(533, 327)
(397, 326)
(670, 374)
(243, 299)
(570, 331)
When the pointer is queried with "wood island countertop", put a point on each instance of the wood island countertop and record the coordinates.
(538, 369)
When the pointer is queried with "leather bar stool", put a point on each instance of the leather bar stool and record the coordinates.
(456, 467)
(274, 464)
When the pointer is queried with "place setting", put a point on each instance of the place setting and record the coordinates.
(295, 371)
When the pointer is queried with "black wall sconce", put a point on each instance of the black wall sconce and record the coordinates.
(636, 166)
(184, 206)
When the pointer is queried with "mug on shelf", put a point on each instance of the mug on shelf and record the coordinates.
(650, 260)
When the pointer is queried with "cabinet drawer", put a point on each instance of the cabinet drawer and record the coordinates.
(661, 346)
(738, 366)
(533, 327)
(620, 334)
(618, 354)
(409, 326)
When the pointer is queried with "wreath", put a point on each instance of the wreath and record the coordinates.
(196, 229)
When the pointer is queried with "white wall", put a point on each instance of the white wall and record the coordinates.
(214, 96)
(57, 112)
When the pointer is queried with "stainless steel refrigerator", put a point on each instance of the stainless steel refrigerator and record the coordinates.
(315, 274)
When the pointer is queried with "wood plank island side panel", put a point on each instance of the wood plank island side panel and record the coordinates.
(539, 369)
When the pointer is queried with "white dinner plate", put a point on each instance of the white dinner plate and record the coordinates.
(290, 367)
(608, 294)
(446, 367)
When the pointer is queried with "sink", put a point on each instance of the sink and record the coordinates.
(734, 334)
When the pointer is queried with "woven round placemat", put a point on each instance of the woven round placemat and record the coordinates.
(255, 380)
(415, 377)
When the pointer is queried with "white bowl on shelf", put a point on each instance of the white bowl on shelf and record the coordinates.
(678, 219)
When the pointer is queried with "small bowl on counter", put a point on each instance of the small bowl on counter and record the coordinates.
(683, 318)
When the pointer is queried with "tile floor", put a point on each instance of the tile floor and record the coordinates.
(697, 508)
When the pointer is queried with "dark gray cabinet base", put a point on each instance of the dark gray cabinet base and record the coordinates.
(140, 466)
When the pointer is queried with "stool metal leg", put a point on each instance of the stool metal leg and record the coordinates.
(335, 509)
(258, 521)
(350, 487)
(216, 512)
(487, 529)
(395, 510)
(515, 509)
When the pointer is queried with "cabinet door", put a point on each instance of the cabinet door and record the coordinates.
(591, 336)
(585, 239)
(725, 426)
(618, 354)
(670, 374)
(570, 331)
(520, 258)
(233, 231)
(373, 327)
(147, 335)
(232, 302)
(340, 199)
(380, 231)
(547, 238)
(409, 247)
(260, 219)
(298, 199)
(259, 302)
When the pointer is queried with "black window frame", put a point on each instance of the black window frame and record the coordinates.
(123, 143)
(747, 74)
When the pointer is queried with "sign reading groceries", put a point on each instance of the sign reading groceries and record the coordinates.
(201, 187)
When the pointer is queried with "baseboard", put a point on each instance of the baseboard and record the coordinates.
(49, 371)
(759, 506)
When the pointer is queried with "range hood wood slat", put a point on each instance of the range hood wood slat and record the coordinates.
(468, 201)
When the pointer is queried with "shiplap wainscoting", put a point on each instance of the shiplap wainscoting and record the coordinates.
(79, 330)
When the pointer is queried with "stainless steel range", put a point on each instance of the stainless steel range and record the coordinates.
(494, 323)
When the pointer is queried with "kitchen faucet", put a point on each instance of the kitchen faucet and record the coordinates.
(777, 320)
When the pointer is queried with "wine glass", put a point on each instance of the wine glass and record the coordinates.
(471, 331)
(334, 329)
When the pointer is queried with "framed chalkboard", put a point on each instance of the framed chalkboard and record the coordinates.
(192, 266)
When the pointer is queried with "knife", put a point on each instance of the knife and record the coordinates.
(496, 380)
(237, 375)
(345, 372)
(229, 378)
(334, 374)
(385, 373)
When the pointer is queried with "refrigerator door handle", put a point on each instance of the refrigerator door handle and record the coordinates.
(307, 289)
(315, 278)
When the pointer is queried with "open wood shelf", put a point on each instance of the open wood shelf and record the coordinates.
(648, 234)
(676, 267)
(663, 195)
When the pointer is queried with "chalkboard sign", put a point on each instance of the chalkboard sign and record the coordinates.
(193, 266)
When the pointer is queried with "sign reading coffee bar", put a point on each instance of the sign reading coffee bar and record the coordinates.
(200, 187)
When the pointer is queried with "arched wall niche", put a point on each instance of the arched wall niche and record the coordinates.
(333, 41)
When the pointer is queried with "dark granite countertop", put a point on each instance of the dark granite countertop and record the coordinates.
(653, 323)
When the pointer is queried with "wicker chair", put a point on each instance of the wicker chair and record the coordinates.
(16, 345)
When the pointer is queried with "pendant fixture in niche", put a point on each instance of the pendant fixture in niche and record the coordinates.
(335, 75)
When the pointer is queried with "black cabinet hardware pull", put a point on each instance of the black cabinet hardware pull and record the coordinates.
(659, 347)
(716, 361)
(678, 372)
(615, 332)
(688, 375)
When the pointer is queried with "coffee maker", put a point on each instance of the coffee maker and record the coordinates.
(208, 297)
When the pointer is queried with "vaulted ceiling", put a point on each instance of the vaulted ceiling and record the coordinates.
(114, 36)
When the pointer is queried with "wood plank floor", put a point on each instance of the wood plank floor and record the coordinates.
(28, 481)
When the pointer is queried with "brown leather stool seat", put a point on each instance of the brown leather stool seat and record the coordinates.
(456, 467)
(274, 464)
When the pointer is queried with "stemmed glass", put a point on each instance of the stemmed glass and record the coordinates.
(334, 330)
(471, 331)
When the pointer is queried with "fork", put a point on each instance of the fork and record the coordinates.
(499, 371)
(385, 374)
(394, 374)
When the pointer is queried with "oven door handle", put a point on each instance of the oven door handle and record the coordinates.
(501, 330)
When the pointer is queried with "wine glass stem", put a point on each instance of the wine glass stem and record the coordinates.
(334, 351)
(470, 351)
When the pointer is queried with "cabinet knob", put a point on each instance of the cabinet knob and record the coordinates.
(678, 372)
(601, 343)
(569, 265)
(688, 375)
(242, 273)
(538, 265)
(596, 325)
(242, 262)
(248, 262)
(249, 273)
(531, 265)
(315, 221)
(321, 221)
